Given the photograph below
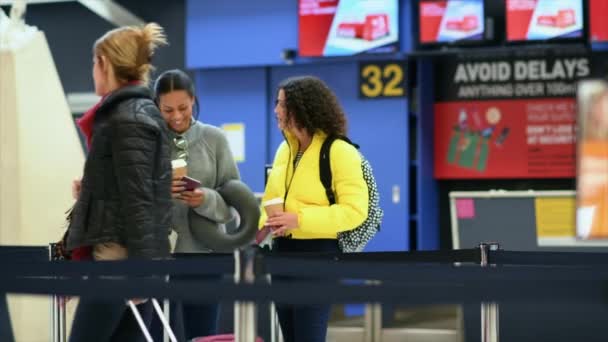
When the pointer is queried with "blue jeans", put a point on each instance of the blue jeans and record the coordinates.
(108, 320)
(303, 323)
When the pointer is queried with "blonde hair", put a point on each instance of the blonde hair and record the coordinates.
(130, 49)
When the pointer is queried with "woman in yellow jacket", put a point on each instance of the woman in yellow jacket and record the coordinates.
(307, 112)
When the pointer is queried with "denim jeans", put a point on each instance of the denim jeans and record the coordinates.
(303, 323)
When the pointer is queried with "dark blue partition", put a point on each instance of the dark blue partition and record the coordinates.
(428, 212)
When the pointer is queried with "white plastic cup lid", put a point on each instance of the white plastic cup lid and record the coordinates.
(277, 200)
(178, 163)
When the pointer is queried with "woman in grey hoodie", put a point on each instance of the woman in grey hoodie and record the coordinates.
(209, 160)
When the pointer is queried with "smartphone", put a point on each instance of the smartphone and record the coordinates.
(191, 183)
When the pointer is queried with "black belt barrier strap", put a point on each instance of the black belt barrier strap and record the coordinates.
(306, 292)
(212, 264)
(24, 253)
(448, 256)
(548, 258)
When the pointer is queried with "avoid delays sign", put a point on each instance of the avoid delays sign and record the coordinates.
(507, 118)
(520, 78)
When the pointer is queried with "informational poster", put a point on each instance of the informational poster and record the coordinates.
(554, 217)
(592, 177)
(544, 19)
(235, 134)
(451, 20)
(347, 27)
(507, 118)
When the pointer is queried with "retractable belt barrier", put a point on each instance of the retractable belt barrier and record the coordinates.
(146, 277)
(415, 292)
(410, 278)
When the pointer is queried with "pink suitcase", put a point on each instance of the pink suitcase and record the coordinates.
(221, 338)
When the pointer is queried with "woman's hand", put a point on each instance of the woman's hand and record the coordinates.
(76, 186)
(177, 187)
(192, 198)
(282, 223)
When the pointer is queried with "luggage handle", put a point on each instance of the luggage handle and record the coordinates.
(160, 314)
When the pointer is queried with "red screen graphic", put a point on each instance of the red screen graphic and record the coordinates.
(315, 21)
(599, 23)
(519, 15)
(431, 14)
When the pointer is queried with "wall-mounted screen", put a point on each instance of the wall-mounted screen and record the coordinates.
(540, 20)
(597, 19)
(449, 21)
(347, 27)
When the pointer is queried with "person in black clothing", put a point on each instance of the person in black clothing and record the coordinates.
(123, 207)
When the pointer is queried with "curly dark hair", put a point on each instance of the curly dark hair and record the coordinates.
(313, 106)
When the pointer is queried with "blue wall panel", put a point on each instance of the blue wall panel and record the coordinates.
(235, 33)
(238, 96)
(239, 32)
(380, 127)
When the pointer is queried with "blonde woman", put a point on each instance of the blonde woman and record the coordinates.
(124, 200)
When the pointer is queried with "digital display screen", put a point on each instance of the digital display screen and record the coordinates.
(347, 27)
(532, 20)
(447, 21)
(597, 18)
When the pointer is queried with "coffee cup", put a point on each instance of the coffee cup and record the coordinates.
(273, 206)
(180, 168)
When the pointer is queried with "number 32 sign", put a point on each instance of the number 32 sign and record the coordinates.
(381, 79)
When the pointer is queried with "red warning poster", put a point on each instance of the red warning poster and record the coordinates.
(509, 118)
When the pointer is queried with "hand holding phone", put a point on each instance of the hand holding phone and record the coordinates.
(192, 195)
(190, 183)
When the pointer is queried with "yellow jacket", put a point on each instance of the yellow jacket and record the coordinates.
(304, 193)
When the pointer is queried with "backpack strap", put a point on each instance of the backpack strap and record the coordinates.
(325, 167)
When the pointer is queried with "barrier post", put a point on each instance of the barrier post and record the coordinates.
(58, 311)
(372, 320)
(167, 313)
(245, 269)
(489, 310)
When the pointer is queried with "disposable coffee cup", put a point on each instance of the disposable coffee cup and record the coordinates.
(273, 206)
(180, 168)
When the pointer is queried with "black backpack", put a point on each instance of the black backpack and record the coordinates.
(356, 239)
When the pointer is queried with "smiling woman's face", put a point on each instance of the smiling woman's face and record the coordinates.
(176, 108)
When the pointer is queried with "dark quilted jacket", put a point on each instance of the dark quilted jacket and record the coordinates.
(126, 187)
